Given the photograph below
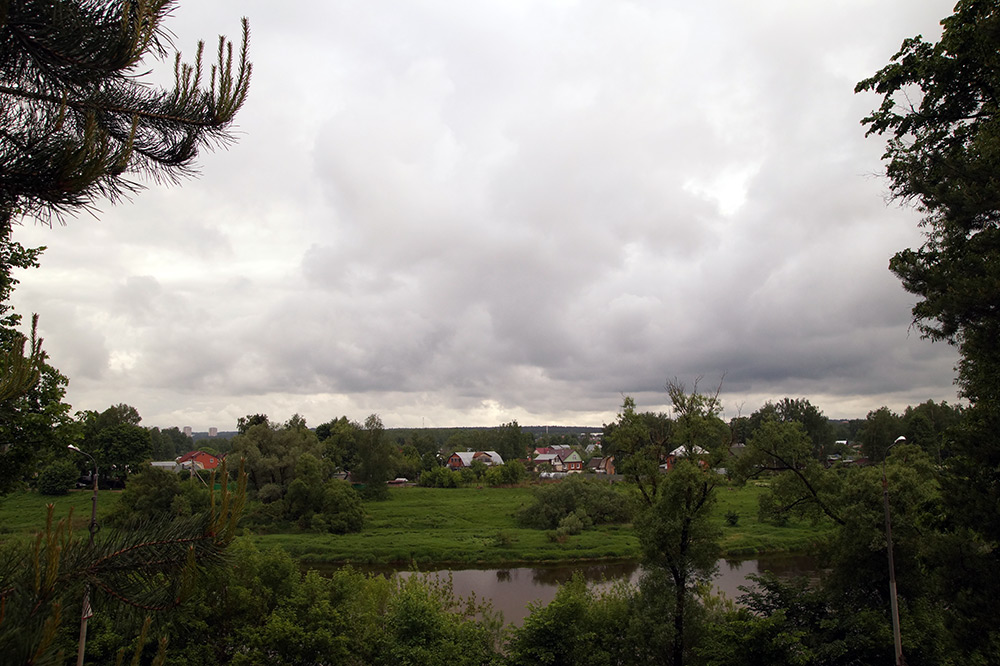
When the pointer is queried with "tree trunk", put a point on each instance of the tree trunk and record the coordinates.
(679, 575)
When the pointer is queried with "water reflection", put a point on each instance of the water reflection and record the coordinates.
(513, 589)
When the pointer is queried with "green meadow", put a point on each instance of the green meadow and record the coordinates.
(455, 526)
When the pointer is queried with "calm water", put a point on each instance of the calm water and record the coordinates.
(512, 589)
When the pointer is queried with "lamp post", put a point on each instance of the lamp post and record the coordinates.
(897, 639)
(85, 611)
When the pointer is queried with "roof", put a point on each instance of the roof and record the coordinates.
(190, 455)
(682, 451)
(465, 456)
(569, 455)
(493, 456)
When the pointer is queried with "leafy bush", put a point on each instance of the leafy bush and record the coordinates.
(439, 477)
(269, 492)
(155, 493)
(597, 500)
(575, 522)
(57, 478)
(732, 518)
(506, 475)
(331, 507)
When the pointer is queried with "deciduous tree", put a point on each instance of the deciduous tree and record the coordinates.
(940, 110)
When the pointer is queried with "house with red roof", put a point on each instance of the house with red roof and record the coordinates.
(198, 460)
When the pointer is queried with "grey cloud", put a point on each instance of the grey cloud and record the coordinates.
(471, 211)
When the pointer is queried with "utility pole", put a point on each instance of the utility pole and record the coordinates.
(897, 639)
(86, 613)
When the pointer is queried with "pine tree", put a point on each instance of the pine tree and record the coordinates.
(133, 571)
(78, 123)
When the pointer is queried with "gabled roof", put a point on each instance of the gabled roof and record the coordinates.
(465, 456)
(682, 451)
(545, 457)
(492, 455)
(569, 455)
(190, 455)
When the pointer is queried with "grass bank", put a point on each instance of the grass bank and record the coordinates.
(455, 526)
(476, 526)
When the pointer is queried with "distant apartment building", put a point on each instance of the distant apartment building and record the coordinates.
(187, 431)
(213, 432)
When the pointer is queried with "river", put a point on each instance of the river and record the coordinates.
(511, 589)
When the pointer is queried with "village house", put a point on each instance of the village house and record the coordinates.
(601, 465)
(198, 460)
(682, 452)
(570, 461)
(460, 459)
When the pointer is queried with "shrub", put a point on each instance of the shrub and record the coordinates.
(341, 509)
(575, 523)
(155, 493)
(506, 475)
(732, 518)
(57, 478)
(331, 507)
(270, 492)
(597, 500)
(439, 477)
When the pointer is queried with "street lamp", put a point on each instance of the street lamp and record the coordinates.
(897, 639)
(85, 612)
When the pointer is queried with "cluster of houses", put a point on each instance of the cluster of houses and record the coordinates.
(560, 459)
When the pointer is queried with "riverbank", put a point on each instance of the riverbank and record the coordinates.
(475, 526)
(457, 526)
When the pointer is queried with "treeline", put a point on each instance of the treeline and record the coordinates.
(257, 607)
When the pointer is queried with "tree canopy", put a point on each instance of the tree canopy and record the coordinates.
(939, 110)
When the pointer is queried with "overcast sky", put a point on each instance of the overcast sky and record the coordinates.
(463, 213)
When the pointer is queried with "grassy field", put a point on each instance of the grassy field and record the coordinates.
(463, 525)
(24, 514)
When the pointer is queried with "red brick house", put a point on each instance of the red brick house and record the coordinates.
(198, 460)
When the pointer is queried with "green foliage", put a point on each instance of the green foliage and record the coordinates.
(156, 494)
(639, 443)
(881, 428)
(340, 439)
(80, 120)
(799, 484)
(439, 477)
(170, 443)
(35, 425)
(576, 495)
(510, 473)
(337, 508)
(312, 501)
(932, 426)
(680, 547)
(815, 425)
(579, 626)
(272, 452)
(265, 611)
(151, 566)
(58, 477)
(943, 154)
(117, 442)
(374, 467)
(510, 442)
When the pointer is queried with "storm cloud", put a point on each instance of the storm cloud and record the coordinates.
(458, 213)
